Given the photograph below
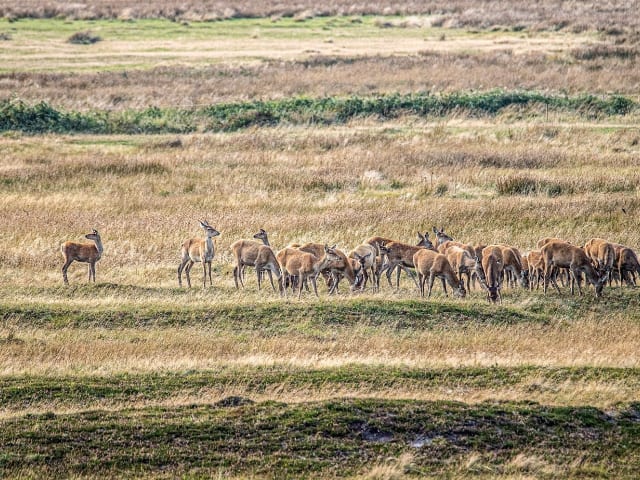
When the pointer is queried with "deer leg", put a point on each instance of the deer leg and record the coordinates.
(92, 271)
(236, 269)
(431, 280)
(187, 272)
(65, 267)
(271, 279)
(315, 285)
(180, 268)
(444, 287)
(410, 273)
(300, 282)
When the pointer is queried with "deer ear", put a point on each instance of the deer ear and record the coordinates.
(326, 247)
(435, 230)
(420, 236)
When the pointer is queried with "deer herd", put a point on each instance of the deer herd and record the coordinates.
(460, 265)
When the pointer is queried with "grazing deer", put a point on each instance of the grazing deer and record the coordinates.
(366, 256)
(441, 237)
(490, 271)
(400, 256)
(342, 268)
(198, 250)
(461, 261)
(627, 265)
(564, 255)
(603, 255)
(434, 264)
(512, 266)
(245, 253)
(82, 252)
(306, 265)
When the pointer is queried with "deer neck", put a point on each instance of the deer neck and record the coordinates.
(208, 246)
(320, 264)
(99, 247)
(265, 240)
(349, 273)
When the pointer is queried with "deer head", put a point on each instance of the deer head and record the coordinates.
(424, 241)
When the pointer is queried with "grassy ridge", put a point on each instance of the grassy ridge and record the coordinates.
(29, 391)
(338, 437)
(45, 118)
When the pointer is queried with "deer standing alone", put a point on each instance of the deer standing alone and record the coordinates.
(82, 252)
(198, 250)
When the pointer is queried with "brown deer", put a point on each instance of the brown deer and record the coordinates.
(490, 272)
(627, 265)
(366, 256)
(461, 261)
(512, 266)
(305, 265)
(198, 250)
(82, 252)
(543, 241)
(400, 256)
(342, 268)
(603, 255)
(266, 261)
(441, 237)
(558, 254)
(245, 253)
(433, 264)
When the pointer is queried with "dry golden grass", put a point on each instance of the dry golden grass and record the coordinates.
(145, 196)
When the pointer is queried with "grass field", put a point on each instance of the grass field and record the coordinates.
(134, 377)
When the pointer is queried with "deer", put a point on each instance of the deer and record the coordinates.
(434, 264)
(245, 253)
(564, 255)
(266, 261)
(400, 256)
(82, 252)
(461, 261)
(306, 265)
(603, 255)
(342, 268)
(366, 256)
(441, 237)
(512, 266)
(489, 270)
(543, 241)
(198, 250)
(627, 264)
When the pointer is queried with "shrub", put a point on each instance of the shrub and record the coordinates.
(83, 38)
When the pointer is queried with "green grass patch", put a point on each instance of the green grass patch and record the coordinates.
(42, 392)
(322, 439)
(42, 117)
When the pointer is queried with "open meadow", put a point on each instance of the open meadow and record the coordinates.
(327, 125)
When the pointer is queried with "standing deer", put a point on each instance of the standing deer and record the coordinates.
(564, 255)
(433, 264)
(82, 252)
(306, 265)
(266, 261)
(245, 253)
(198, 250)
(366, 255)
(400, 256)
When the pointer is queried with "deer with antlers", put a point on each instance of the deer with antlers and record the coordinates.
(82, 252)
(197, 250)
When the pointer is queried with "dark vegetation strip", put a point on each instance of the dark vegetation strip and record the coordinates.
(20, 392)
(42, 117)
(270, 318)
(338, 437)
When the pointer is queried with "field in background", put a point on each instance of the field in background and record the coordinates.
(136, 377)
